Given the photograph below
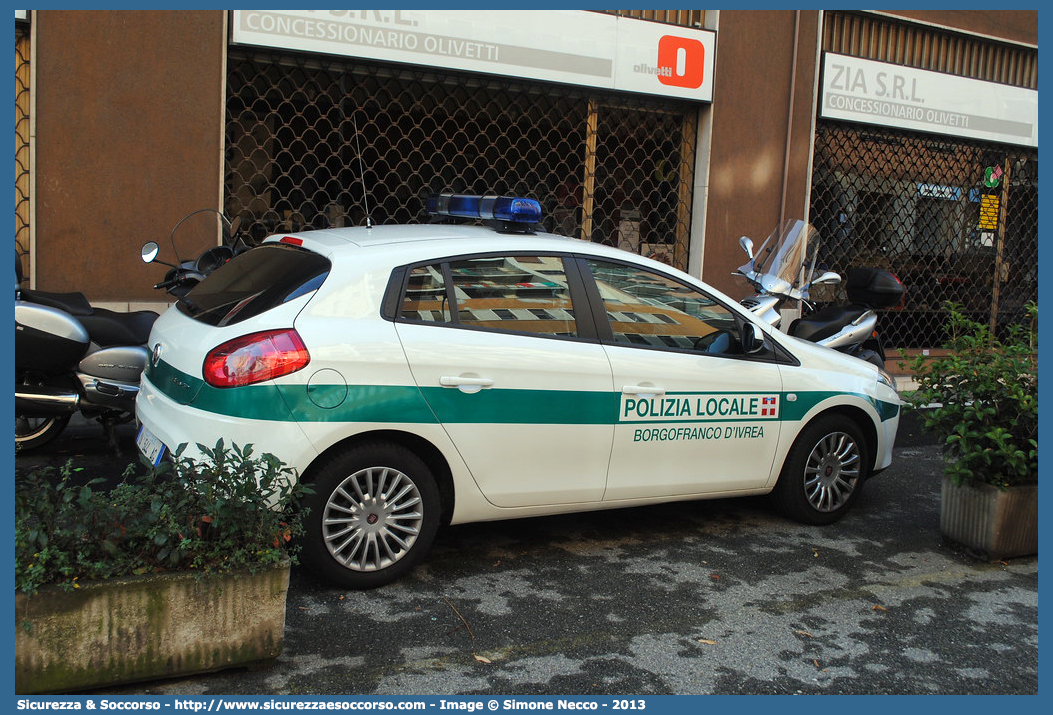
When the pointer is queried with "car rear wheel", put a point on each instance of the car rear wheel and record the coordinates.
(823, 473)
(373, 515)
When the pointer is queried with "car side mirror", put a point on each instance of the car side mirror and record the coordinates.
(746, 243)
(149, 252)
(752, 338)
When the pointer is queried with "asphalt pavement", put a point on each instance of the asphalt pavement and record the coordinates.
(709, 597)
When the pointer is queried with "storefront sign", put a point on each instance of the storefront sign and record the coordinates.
(993, 176)
(935, 191)
(567, 46)
(989, 208)
(860, 90)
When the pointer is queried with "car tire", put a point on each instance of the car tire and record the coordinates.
(372, 517)
(824, 471)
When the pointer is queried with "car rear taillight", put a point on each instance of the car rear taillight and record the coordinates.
(255, 358)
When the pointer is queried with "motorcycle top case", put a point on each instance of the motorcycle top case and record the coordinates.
(874, 287)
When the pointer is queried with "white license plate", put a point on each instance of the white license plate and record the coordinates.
(150, 446)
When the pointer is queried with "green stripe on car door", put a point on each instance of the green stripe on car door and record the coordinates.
(410, 404)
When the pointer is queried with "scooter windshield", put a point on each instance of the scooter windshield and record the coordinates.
(197, 232)
(787, 256)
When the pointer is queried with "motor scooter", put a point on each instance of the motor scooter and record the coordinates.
(71, 356)
(785, 269)
(202, 227)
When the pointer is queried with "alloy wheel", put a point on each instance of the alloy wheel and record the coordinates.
(372, 519)
(832, 471)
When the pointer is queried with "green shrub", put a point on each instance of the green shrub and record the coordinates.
(227, 511)
(982, 401)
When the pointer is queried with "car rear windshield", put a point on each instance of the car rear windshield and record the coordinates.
(254, 282)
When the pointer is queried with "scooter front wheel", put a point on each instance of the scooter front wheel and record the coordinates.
(35, 432)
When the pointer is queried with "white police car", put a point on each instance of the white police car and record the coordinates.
(435, 374)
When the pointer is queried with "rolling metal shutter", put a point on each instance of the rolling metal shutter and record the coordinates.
(22, 147)
(606, 167)
(954, 219)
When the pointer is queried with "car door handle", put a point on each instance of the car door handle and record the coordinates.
(643, 390)
(466, 384)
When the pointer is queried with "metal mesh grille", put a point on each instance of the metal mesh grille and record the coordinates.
(954, 220)
(22, 145)
(606, 167)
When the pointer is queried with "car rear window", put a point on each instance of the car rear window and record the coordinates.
(254, 282)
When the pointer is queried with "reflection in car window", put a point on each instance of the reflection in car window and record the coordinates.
(425, 297)
(646, 308)
(526, 294)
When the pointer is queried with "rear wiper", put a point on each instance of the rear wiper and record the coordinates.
(191, 305)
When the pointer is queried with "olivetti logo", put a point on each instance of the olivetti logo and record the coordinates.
(680, 62)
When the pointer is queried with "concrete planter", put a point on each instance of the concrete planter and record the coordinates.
(996, 523)
(147, 627)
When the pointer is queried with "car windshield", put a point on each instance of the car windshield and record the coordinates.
(254, 282)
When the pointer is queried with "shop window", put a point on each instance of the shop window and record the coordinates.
(928, 210)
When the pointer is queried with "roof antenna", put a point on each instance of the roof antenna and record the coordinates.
(362, 173)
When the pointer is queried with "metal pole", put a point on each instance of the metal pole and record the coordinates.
(996, 281)
(588, 194)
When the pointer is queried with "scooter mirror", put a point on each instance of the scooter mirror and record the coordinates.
(829, 277)
(747, 246)
(149, 252)
(230, 229)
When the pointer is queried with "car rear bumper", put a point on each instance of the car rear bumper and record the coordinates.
(177, 424)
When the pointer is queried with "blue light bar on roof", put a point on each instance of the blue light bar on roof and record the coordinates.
(502, 208)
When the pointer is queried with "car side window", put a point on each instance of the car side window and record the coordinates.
(649, 309)
(523, 294)
(425, 297)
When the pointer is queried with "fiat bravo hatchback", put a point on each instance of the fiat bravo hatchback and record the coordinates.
(421, 375)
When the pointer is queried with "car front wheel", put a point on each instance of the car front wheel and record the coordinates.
(823, 473)
(373, 515)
